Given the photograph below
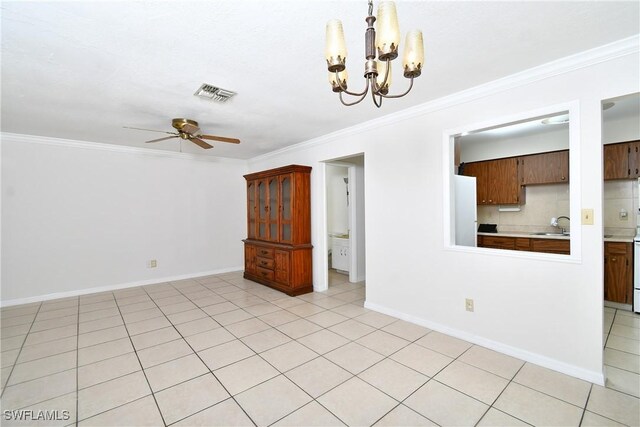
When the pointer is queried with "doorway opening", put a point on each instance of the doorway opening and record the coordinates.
(345, 225)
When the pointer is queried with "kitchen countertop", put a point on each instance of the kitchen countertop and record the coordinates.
(607, 238)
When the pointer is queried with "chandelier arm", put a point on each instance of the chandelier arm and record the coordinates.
(348, 104)
(378, 104)
(344, 88)
(378, 87)
(400, 95)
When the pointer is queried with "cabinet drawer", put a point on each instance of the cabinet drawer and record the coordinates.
(496, 242)
(264, 252)
(551, 246)
(264, 273)
(264, 263)
(619, 248)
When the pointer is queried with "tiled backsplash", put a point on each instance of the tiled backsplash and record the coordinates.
(622, 194)
(547, 201)
(543, 203)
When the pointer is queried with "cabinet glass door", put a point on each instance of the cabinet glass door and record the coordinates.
(251, 208)
(273, 209)
(285, 200)
(262, 210)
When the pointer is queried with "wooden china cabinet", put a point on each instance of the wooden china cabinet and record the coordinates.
(277, 250)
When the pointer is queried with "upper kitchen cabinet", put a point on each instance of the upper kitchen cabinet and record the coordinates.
(496, 181)
(622, 160)
(545, 168)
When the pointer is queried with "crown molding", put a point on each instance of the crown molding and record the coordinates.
(71, 143)
(617, 49)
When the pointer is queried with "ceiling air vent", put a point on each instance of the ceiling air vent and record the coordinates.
(214, 93)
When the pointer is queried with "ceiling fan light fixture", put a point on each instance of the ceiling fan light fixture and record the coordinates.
(214, 93)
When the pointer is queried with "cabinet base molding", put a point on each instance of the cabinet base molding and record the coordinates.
(291, 292)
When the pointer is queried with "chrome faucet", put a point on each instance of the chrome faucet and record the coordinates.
(554, 222)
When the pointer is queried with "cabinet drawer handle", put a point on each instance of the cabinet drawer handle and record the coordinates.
(614, 259)
(563, 178)
(263, 263)
(264, 273)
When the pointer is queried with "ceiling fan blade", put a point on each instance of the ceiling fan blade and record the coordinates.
(150, 130)
(200, 142)
(220, 138)
(162, 139)
(190, 129)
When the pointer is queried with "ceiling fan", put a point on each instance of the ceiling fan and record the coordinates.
(188, 129)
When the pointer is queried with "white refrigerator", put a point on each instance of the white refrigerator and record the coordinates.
(465, 210)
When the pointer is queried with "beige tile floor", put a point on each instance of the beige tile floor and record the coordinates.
(220, 350)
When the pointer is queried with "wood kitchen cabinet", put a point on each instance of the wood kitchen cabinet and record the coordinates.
(550, 246)
(621, 160)
(553, 246)
(545, 168)
(618, 272)
(278, 244)
(497, 181)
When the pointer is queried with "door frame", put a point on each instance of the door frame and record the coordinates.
(354, 227)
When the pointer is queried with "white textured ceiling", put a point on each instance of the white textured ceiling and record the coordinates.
(82, 70)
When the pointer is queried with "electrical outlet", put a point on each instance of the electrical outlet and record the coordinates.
(468, 303)
(624, 215)
(152, 263)
(587, 216)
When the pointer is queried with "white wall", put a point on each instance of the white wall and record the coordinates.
(541, 309)
(551, 140)
(76, 218)
(337, 211)
(623, 129)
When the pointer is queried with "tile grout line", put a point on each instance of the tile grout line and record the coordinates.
(609, 331)
(20, 352)
(584, 411)
(141, 366)
(502, 392)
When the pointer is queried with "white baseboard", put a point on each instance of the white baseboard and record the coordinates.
(537, 359)
(107, 288)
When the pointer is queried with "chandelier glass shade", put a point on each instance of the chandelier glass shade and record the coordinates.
(380, 49)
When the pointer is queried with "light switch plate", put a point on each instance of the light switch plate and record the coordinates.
(587, 216)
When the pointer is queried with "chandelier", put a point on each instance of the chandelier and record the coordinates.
(376, 72)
